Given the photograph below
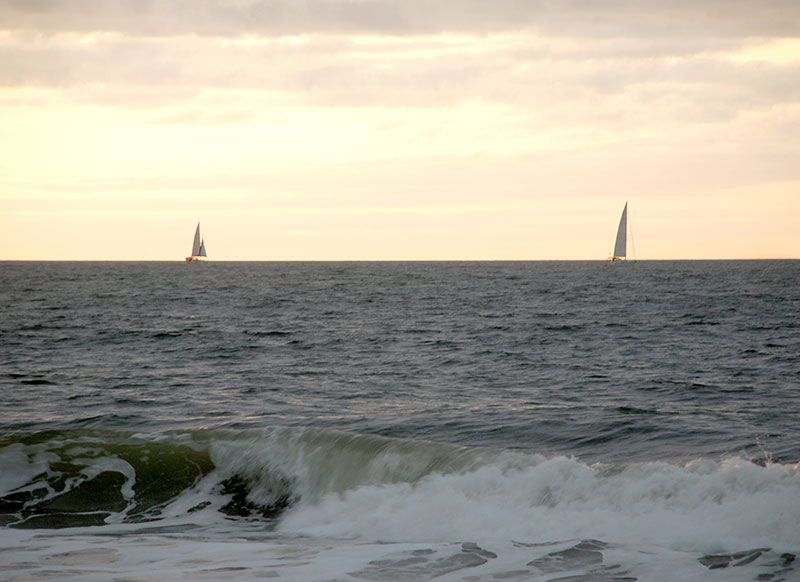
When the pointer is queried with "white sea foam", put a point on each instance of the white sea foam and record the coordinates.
(368, 488)
(373, 508)
(702, 507)
(16, 468)
(81, 556)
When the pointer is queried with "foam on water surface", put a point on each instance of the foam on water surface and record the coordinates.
(156, 558)
(392, 509)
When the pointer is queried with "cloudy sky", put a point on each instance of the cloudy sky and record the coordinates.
(399, 129)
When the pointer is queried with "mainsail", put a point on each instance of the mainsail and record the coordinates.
(198, 246)
(622, 236)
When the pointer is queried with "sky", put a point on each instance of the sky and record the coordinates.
(399, 129)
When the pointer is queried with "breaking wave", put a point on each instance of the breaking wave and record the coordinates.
(334, 484)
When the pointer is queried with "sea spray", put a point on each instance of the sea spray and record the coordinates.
(315, 463)
(723, 507)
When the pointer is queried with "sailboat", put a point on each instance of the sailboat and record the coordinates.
(621, 244)
(198, 247)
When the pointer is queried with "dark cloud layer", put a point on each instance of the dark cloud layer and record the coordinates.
(561, 50)
(644, 18)
(336, 71)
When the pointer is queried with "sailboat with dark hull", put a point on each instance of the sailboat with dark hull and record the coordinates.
(621, 243)
(198, 247)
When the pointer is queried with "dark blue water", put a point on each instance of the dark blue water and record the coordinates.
(339, 401)
(651, 360)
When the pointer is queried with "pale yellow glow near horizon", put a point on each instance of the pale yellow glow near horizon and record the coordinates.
(429, 147)
(726, 226)
(778, 51)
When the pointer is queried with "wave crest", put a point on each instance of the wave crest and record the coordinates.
(327, 483)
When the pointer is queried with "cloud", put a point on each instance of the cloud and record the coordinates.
(586, 18)
(554, 76)
(408, 53)
(522, 76)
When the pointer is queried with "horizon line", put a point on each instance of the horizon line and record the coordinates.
(388, 260)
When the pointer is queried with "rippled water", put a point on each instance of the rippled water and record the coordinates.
(527, 403)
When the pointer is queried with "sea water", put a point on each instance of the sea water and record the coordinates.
(400, 421)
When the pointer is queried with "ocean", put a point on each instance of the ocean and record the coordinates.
(400, 421)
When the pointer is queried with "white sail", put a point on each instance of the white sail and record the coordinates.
(622, 235)
(198, 246)
(197, 242)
